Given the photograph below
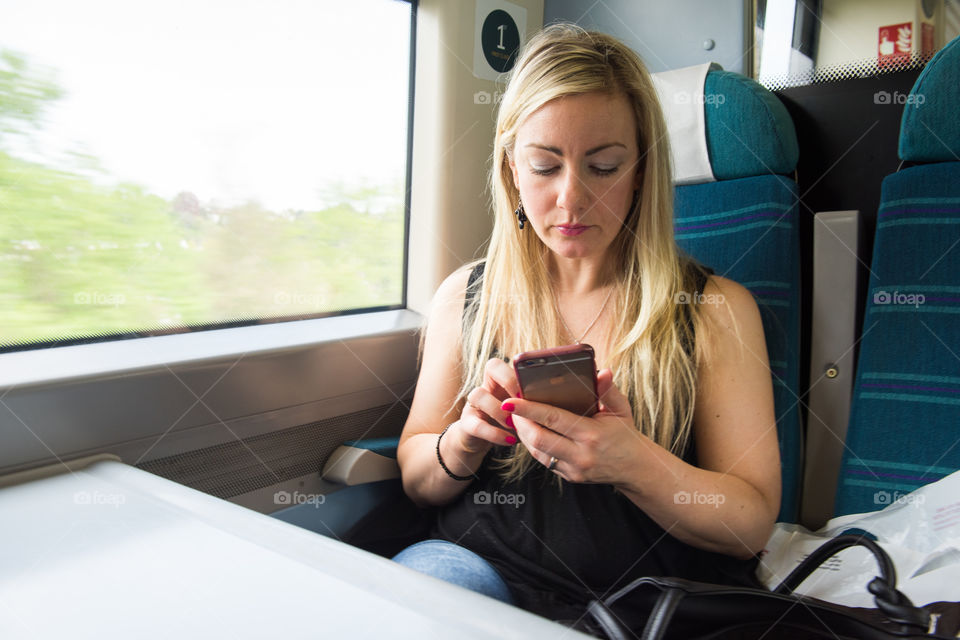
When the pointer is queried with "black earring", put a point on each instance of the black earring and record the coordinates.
(521, 216)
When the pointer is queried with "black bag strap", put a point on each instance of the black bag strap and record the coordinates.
(829, 549)
(662, 614)
(612, 628)
(657, 623)
(890, 602)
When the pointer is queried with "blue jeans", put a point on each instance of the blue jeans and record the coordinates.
(453, 563)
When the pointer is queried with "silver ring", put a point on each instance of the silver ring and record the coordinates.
(553, 463)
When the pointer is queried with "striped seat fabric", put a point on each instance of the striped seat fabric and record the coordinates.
(744, 226)
(904, 427)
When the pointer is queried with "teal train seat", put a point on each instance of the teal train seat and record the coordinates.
(904, 429)
(743, 224)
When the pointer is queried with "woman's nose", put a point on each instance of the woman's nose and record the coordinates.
(574, 194)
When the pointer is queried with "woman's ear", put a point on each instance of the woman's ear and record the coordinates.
(513, 170)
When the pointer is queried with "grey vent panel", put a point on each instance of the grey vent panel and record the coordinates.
(234, 468)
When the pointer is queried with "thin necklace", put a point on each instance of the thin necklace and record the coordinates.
(590, 326)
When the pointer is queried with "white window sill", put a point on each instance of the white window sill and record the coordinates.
(121, 357)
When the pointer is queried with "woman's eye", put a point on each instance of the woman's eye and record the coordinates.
(605, 171)
(543, 172)
(547, 171)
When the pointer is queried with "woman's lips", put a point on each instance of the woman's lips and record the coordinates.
(571, 229)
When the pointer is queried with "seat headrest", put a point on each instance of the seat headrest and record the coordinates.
(928, 129)
(747, 130)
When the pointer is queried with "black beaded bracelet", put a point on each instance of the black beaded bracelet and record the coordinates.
(440, 459)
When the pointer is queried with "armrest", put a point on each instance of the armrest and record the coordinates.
(836, 245)
(362, 461)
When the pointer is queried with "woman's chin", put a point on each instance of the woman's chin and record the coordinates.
(576, 250)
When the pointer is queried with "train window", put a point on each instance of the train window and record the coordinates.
(170, 166)
(801, 42)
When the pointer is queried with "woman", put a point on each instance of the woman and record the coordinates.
(679, 473)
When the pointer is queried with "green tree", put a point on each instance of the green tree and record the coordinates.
(25, 92)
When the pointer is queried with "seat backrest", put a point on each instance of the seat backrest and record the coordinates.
(744, 226)
(904, 429)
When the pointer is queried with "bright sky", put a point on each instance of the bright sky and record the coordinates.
(265, 99)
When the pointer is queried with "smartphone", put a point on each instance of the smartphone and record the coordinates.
(564, 377)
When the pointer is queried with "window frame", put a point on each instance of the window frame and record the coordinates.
(135, 397)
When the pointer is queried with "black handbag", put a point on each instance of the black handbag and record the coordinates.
(668, 608)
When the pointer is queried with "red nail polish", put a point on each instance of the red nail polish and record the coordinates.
(507, 406)
(509, 422)
(511, 440)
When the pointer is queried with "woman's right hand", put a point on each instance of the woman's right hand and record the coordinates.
(482, 422)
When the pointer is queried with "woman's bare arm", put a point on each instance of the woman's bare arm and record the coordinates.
(728, 503)
(470, 436)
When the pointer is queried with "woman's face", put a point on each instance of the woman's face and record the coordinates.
(575, 164)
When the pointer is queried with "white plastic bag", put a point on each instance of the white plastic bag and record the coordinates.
(920, 531)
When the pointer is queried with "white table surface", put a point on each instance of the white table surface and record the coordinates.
(112, 551)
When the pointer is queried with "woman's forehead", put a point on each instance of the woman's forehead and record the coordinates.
(580, 122)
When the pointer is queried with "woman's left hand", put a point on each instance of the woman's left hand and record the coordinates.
(598, 449)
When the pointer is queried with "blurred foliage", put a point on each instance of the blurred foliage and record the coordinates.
(24, 92)
(78, 258)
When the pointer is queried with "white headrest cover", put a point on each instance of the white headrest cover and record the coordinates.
(682, 100)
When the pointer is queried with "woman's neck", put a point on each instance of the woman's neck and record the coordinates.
(578, 276)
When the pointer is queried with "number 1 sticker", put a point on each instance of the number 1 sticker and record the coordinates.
(499, 29)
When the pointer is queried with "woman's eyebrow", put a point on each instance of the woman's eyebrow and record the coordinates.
(590, 152)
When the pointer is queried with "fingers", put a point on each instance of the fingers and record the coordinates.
(555, 419)
(488, 405)
(604, 381)
(611, 398)
(543, 429)
(500, 379)
(481, 427)
(482, 416)
(478, 420)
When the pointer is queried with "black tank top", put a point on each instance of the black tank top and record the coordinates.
(559, 550)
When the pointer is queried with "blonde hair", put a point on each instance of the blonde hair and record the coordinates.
(513, 310)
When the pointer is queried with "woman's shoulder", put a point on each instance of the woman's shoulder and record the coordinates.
(454, 285)
(452, 292)
(720, 292)
(730, 309)
(713, 291)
